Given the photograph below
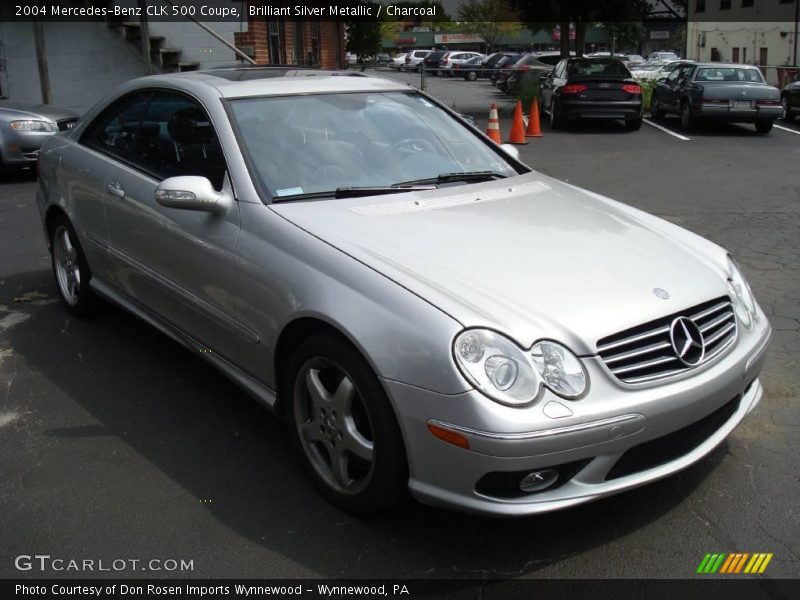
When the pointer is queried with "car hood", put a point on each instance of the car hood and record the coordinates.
(530, 256)
(19, 110)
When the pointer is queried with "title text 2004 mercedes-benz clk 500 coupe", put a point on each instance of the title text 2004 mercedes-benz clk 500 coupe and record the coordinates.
(425, 311)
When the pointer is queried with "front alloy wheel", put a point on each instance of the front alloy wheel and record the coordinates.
(70, 269)
(343, 423)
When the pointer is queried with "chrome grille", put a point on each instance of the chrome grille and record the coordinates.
(65, 124)
(645, 353)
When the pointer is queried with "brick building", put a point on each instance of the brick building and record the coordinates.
(284, 41)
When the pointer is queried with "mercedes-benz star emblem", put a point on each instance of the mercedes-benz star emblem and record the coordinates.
(687, 341)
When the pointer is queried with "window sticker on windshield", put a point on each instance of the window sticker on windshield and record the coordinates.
(289, 191)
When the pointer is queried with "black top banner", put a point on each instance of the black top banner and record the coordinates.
(422, 12)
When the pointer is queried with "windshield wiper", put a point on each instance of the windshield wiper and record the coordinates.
(356, 192)
(457, 176)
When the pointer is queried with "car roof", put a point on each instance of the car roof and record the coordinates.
(722, 65)
(249, 81)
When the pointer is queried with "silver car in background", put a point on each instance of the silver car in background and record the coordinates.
(425, 312)
(25, 127)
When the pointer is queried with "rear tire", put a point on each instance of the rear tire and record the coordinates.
(70, 270)
(763, 127)
(633, 124)
(472, 76)
(342, 422)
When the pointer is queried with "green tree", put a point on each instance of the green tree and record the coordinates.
(363, 38)
(490, 19)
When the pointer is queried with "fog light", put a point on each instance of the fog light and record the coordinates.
(538, 480)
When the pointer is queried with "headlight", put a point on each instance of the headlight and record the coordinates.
(744, 303)
(515, 377)
(32, 126)
(560, 369)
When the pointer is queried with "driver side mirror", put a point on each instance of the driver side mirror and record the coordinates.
(191, 192)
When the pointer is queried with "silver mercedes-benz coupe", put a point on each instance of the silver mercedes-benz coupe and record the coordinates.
(427, 313)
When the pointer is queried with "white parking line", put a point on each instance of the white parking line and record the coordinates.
(665, 130)
(787, 129)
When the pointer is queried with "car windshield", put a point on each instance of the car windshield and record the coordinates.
(301, 145)
(597, 68)
(728, 74)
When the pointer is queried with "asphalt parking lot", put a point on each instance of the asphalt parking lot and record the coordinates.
(116, 442)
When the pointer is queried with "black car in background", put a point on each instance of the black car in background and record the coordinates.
(531, 67)
(470, 70)
(502, 68)
(433, 61)
(591, 88)
(790, 99)
(719, 91)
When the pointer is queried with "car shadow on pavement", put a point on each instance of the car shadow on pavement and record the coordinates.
(174, 410)
(710, 128)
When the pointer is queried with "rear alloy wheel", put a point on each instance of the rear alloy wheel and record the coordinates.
(786, 114)
(472, 75)
(688, 120)
(763, 126)
(344, 425)
(633, 124)
(71, 270)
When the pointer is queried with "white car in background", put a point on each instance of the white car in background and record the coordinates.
(457, 58)
(414, 59)
(657, 71)
(399, 61)
(665, 56)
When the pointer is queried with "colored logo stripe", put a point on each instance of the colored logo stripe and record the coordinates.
(734, 563)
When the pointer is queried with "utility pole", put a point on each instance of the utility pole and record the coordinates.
(796, 20)
(41, 61)
(144, 32)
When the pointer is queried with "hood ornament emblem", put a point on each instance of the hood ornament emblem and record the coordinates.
(687, 341)
(661, 293)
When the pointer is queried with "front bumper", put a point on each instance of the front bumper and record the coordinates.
(589, 444)
(21, 148)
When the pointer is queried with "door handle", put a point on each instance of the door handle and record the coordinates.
(115, 189)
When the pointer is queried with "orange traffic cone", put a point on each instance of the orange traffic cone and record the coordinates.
(534, 128)
(517, 127)
(493, 129)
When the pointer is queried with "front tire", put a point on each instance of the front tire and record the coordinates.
(786, 113)
(556, 121)
(70, 269)
(344, 425)
(763, 127)
(655, 108)
(688, 120)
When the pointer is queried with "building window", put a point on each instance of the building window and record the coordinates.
(315, 57)
(700, 6)
(715, 55)
(747, 3)
(724, 4)
(275, 46)
(299, 43)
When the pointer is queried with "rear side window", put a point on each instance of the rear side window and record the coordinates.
(116, 129)
(590, 68)
(549, 60)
